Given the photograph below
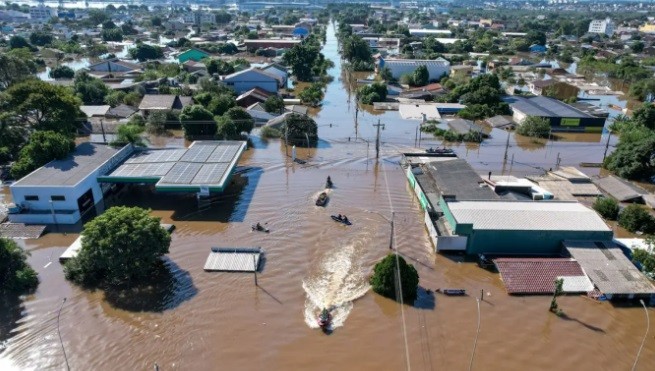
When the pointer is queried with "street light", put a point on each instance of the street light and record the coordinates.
(643, 341)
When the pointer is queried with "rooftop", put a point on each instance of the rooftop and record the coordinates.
(203, 164)
(608, 267)
(77, 166)
(527, 215)
(457, 178)
(544, 107)
(538, 275)
(618, 188)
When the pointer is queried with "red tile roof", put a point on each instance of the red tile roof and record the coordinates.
(535, 275)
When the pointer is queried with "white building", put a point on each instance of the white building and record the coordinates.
(63, 190)
(399, 67)
(602, 26)
(41, 13)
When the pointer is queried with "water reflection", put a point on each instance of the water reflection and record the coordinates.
(11, 311)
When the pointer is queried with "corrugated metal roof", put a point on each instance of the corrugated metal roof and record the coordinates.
(617, 188)
(608, 267)
(233, 259)
(538, 275)
(527, 215)
(544, 107)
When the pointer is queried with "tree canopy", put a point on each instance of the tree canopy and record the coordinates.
(41, 106)
(242, 119)
(197, 121)
(144, 52)
(385, 283)
(16, 275)
(120, 247)
(90, 89)
(14, 69)
(42, 147)
(536, 127)
(376, 92)
(274, 104)
(62, 72)
(300, 128)
(219, 66)
(301, 58)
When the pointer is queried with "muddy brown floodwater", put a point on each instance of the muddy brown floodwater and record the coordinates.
(196, 320)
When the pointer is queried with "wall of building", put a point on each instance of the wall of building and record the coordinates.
(400, 69)
(526, 242)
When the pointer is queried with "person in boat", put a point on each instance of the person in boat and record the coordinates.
(345, 219)
(329, 181)
(259, 226)
(339, 217)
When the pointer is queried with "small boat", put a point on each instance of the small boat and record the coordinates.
(324, 319)
(259, 228)
(340, 220)
(328, 183)
(322, 199)
(452, 292)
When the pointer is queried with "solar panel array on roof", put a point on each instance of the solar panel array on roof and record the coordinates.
(203, 164)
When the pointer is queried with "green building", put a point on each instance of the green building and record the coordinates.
(520, 227)
(193, 54)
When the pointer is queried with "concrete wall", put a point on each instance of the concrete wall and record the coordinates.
(527, 242)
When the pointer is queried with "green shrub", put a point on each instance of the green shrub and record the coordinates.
(384, 280)
(536, 127)
(607, 207)
(270, 132)
(635, 218)
(15, 274)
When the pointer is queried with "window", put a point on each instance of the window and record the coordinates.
(31, 198)
(57, 198)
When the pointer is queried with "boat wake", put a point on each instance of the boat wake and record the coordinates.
(336, 283)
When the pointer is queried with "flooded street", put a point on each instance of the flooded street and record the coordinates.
(198, 320)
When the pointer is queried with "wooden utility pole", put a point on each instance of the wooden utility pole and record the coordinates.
(607, 144)
(377, 139)
(254, 264)
(391, 235)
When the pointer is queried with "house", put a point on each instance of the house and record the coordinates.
(534, 48)
(192, 54)
(253, 45)
(175, 25)
(279, 71)
(252, 96)
(250, 78)
(557, 89)
(461, 70)
(562, 117)
(114, 67)
(399, 67)
(122, 111)
(163, 103)
(41, 13)
(95, 111)
(259, 114)
(602, 26)
(423, 92)
(193, 66)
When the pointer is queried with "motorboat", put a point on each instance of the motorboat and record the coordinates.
(452, 292)
(259, 228)
(322, 199)
(341, 219)
(324, 319)
(439, 150)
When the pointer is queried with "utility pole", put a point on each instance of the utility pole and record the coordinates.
(607, 144)
(102, 128)
(356, 119)
(391, 235)
(377, 139)
(254, 265)
(559, 160)
(506, 146)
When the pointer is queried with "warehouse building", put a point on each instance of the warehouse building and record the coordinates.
(520, 227)
(63, 191)
(562, 117)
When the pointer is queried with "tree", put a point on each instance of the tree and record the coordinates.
(535, 127)
(114, 98)
(112, 34)
(14, 69)
(120, 247)
(242, 119)
(354, 48)
(634, 156)
(607, 207)
(646, 257)
(97, 16)
(312, 95)
(89, 89)
(19, 42)
(42, 147)
(41, 38)
(219, 66)
(384, 280)
(41, 106)
(386, 75)
(637, 47)
(535, 37)
(376, 92)
(299, 129)
(420, 76)
(15, 274)
(635, 218)
(156, 122)
(144, 52)
(62, 72)
(274, 104)
(129, 134)
(226, 129)
(197, 121)
(155, 21)
(220, 104)
(301, 59)
(645, 116)
(559, 283)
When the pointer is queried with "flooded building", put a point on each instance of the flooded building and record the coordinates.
(562, 117)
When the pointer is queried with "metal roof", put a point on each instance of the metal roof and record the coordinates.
(231, 259)
(457, 178)
(538, 275)
(415, 111)
(86, 158)
(527, 215)
(619, 189)
(203, 164)
(544, 107)
(608, 267)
